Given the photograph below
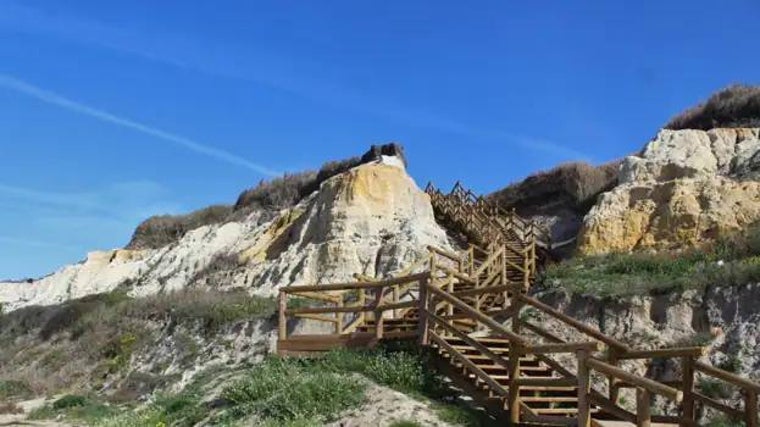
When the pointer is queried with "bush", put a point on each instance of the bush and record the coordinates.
(14, 389)
(733, 107)
(286, 390)
(728, 261)
(273, 195)
(575, 185)
(76, 408)
(159, 231)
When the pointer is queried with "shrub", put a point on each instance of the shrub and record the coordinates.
(285, 390)
(14, 389)
(10, 408)
(76, 408)
(732, 107)
(728, 261)
(573, 184)
(159, 231)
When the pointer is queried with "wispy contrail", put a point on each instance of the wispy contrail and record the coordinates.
(12, 83)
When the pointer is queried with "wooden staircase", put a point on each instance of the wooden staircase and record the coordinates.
(466, 308)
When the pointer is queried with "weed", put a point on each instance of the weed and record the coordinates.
(286, 390)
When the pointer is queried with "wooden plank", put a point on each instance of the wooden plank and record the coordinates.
(356, 285)
(645, 383)
(495, 326)
(495, 386)
(611, 342)
(643, 408)
(611, 407)
(328, 310)
(665, 353)
(446, 254)
(542, 332)
(687, 368)
(318, 296)
(750, 409)
(547, 382)
(727, 377)
(282, 322)
(563, 348)
(583, 381)
(497, 359)
(720, 406)
(318, 318)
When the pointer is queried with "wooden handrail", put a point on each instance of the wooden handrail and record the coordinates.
(664, 353)
(497, 388)
(446, 254)
(642, 382)
(611, 342)
(360, 285)
(476, 315)
(727, 377)
(562, 348)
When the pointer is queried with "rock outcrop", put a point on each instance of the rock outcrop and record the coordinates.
(685, 187)
(372, 219)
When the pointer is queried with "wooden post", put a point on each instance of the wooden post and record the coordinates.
(395, 300)
(584, 387)
(687, 367)
(424, 304)
(450, 289)
(513, 397)
(339, 316)
(362, 303)
(643, 408)
(750, 409)
(379, 318)
(612, 381)
(283, 320)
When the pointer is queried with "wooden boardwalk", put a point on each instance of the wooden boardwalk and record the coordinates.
(467, 309)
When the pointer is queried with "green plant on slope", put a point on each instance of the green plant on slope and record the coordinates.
(285, 390)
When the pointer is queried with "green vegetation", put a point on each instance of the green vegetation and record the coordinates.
(74, 407)
(312, 391)
(406, 423)
(283, 390)
(14, 390)
(91, 341)
(725, 422)
(735, 106)
(714, 388)
(729, 261)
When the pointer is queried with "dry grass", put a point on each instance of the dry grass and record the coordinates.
(87, 343)
(574, 185)
(10, 408)
(268, 196)
(732, 107)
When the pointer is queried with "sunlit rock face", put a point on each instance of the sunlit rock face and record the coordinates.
(685, 187)
(372, 220)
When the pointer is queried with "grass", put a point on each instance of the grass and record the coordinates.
(575, 184)
(723, 421)
(75, 407)
(284, 390)
(734, 106)
(714, 388)
(405, 423)
(728, 261)
(14, 390)
(303, 391)
(89, 343)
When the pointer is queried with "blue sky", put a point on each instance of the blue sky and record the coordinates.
(114, 111)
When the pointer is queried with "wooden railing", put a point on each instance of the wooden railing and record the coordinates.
(445, 290)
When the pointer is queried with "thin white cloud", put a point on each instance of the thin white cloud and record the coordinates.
(52, 98)
(254, 64)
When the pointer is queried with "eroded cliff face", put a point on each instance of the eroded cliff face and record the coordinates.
(372, 220)
(685, 187)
